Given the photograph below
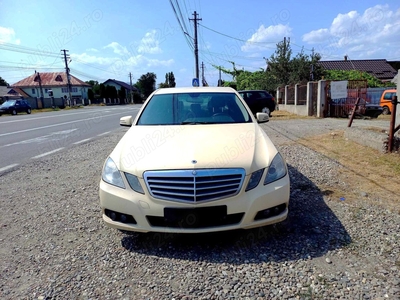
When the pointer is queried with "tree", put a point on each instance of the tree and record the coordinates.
(279, 62)
(3, 82)
(122, 93)
(95, 86)
(102, 91)
(170, 79)
(111, 92)
(90, 94)
(163, 85)
(355, 75)
(147, 83)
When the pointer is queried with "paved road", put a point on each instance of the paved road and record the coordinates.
(26, 137)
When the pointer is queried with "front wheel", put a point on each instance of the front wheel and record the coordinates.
(14, 112)
(28, 111)
(266, 110)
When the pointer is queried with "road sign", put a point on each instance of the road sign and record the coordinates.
(195, 82)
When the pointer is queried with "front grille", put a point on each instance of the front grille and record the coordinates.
(194, 185)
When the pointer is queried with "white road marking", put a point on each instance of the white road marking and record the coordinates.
(8, 167)
(47, 153)
(82, 141)
(54, 125)
(104, 133)
(91, 111)
(40, 139)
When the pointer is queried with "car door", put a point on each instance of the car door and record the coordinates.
(18, 106)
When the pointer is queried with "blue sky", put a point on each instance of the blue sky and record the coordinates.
(114, 38)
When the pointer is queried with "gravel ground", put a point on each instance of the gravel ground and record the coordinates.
(54, 244)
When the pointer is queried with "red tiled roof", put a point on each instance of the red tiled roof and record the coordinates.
(380, 68)
(49, 80)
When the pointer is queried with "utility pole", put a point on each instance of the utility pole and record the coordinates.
(39, 79)
(203, 80)
(68, 76)
(196, 49)
(220, 78)
(130, 79)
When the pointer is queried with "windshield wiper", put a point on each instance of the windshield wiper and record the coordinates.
(195, 123)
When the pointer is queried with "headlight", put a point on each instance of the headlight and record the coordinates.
(134, 183)
(276, 170)
(111, 174)
(254, 179)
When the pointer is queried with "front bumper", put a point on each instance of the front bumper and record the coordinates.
(127, 210)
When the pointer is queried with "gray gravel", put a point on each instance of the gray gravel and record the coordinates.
(54, 244)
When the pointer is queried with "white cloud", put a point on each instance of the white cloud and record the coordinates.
(266, 37)
(360, 34)
(92, 50)
(117, 48)
(92, 59)
(157, 62)
(149, 44)
(316, 36)
(7, 35)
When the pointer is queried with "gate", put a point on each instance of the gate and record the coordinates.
(343, 107)
(281, 99)
(314, 98)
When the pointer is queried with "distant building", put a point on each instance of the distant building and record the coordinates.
(39, 85)
(118, 84)
(380, 68)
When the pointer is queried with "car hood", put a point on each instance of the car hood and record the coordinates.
(146, 148)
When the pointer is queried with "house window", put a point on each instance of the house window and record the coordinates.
(73, 90)
(33, 91)
(58, 78)
(45, 90)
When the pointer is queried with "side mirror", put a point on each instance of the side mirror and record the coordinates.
(126, 121)
(262, 117)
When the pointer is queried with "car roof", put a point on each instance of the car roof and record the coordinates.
(250, 91)
(202, 89)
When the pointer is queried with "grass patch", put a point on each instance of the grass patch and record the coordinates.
(368, 173)
(284, 115)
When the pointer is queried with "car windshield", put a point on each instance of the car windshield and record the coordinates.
(194, 108)
(8, 103)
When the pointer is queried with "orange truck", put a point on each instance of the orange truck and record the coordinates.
(386, 101)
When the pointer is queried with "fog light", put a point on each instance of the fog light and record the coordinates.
(123, 218)
(113, 216)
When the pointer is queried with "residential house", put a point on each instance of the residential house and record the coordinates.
(7, 92)
(40, 84)
(119, 84)
(380, 68)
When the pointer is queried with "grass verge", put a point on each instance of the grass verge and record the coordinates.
(369, 174)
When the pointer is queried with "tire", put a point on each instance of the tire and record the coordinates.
(14, 112)
(29, 111)
(375, 115)
(386, 111)
(266, 110)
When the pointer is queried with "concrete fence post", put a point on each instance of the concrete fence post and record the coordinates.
(286, 92)
(321, 102)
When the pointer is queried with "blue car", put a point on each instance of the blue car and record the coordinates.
(15, 106)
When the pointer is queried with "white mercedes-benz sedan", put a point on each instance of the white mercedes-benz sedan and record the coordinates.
(194, 160)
